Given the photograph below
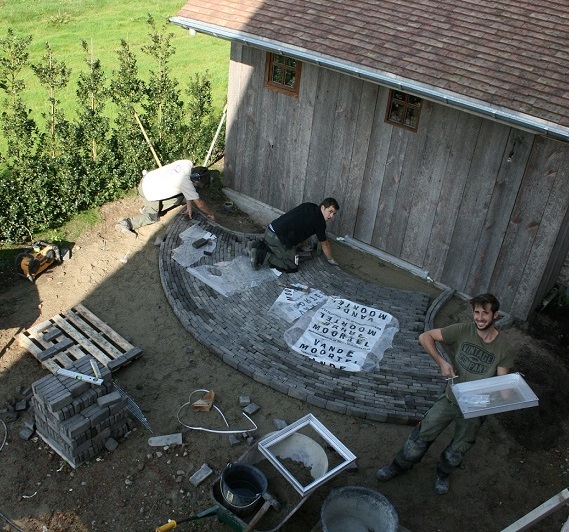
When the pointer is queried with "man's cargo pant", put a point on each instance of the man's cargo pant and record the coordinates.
(439, 416)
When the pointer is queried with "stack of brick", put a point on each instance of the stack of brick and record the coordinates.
(76, 418)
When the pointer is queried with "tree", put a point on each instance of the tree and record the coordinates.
(14, 59)
(127, 90)
(53, 75)
(92, 97)
(202, 122)
(163, 106)
(87, 169)
(19, 129)
(52, 174)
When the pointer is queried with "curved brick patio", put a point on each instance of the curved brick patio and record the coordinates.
(239, 330)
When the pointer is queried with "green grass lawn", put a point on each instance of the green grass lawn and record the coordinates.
(102, 24)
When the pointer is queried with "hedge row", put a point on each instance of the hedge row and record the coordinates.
(53, 171)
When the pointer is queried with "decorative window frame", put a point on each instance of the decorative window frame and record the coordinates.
(283, 62)
(403, 110)
(269, 447)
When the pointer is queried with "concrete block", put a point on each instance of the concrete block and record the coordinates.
(280, 423)
(111, 444)
(26, 433)
(251, 409)
(244, 400)
(234, 440)
(200, 475)
(169, 439)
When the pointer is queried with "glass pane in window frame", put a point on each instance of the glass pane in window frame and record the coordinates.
(282, 73)
(403, 110)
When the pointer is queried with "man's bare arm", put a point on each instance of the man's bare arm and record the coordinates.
(327, 250)
(202, 206)
(428, 339)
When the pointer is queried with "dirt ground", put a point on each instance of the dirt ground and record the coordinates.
(520, 460)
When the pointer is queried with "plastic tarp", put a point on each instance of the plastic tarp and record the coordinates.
(233, 277)
(186, 254)
(344, 335)
(295, 301)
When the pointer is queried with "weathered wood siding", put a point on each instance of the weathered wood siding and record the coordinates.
(478, 204)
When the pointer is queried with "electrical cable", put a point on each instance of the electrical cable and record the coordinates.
(11, 523)
(216, 431)
(5, 434)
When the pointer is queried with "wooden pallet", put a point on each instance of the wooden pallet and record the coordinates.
(73, 334)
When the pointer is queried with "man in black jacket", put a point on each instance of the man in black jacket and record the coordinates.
(283, 235)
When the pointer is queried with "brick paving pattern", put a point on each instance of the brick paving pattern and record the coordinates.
(239, 330)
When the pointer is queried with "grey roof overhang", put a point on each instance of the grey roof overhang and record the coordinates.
(452, 99)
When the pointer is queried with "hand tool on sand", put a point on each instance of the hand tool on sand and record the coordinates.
(269, 501)
(298, 287)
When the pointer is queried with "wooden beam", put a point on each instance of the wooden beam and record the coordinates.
(543, 510)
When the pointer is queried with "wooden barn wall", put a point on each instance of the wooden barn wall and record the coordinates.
(479, 205)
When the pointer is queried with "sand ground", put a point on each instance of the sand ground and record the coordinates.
(520, 460)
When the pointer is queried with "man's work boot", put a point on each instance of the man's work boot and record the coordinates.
(388, 472)
(442, 483)
(125, 227)
(253, 256)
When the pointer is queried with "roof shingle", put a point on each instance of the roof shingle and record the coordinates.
(514, 55)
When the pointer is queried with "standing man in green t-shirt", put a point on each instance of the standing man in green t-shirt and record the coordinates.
(480, 351)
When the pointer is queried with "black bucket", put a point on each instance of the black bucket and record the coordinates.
(242, 487)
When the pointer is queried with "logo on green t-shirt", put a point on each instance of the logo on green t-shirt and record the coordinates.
(474, 359)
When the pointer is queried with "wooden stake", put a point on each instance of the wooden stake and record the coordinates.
(223, 115)
(147, 140)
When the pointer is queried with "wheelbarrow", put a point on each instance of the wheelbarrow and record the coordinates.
(273, 508)
(281, 500)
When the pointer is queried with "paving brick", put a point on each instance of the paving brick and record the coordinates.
(235, 440)
(280, 423)
(78, 427)
(58, 400)
(251, 409)
(109, 399)
(200, 475)
(168, 439)
(111, 444)
(244, 400)
(240, 331)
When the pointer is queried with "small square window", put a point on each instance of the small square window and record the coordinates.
(403, 110)
(282, 73)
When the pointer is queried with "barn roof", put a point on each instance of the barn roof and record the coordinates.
(504, 59)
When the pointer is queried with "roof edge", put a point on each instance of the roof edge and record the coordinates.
(451, 99)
